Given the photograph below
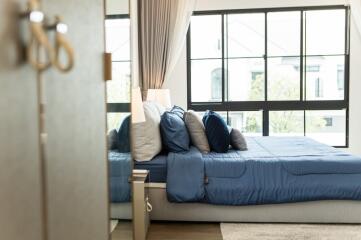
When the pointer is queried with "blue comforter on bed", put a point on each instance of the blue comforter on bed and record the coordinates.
(120, 168)
(273, 170)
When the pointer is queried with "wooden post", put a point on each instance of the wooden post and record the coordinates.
(140, 213)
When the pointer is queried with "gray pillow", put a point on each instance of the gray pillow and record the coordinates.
(238, 141)
(196, 131)
(146, 138)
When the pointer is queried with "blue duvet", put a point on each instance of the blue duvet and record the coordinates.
(273, 170)
(120, 168)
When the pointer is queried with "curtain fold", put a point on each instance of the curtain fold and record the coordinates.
(162, 27)
(181, 20)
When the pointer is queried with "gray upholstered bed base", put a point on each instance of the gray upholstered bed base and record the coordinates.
(335, 211)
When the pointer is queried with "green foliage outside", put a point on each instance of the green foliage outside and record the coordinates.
(281, 121)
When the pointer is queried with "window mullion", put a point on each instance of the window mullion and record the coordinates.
(266, 111)
(223, 63)
(266, 122)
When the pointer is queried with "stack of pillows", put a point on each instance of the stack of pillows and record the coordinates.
(176, 130)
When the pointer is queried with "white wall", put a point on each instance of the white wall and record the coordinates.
(117, 7)
(355, 87)
(178, 82)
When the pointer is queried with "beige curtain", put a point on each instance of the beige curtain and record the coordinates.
(162, 26)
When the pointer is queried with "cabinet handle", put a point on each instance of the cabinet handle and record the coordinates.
(39, 40)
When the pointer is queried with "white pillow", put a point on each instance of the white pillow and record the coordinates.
(146, 138)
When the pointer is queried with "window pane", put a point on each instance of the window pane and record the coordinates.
(328, 127)
(246, 35)
(284, 78)
(325, 78)
(325, 32)
(284, 33)
(206, 32)
(118, 89)
(118, 38)
(248, 122)
(246, 79)
(206, 80)
(115, 120)
(286, 123)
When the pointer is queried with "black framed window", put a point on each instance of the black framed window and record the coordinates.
(273, 72)
(117, 42)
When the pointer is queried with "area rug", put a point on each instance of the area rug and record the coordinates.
(238, 231)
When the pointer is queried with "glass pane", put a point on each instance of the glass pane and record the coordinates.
(206, 36)
(248, 122)
(117, 35)
(325, 32)
(246, 35)
(284, 78)
(327, 127)
(206, 80)
(284, 33)
(118, 89)
(246, 79)
(325, 78)
(286, 123)
(115, 120)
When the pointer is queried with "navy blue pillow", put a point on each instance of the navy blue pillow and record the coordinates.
(217, 132)
(124, 136)
(113, 140)
(174, 132)
(178, 110)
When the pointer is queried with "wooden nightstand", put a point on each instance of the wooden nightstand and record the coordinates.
(139, 204)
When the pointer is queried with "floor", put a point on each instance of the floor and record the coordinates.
(212, 231)
(172, 231)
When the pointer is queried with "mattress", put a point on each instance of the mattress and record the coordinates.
(157, 168)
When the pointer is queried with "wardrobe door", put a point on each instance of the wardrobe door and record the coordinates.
(21, 215)
(75, 117)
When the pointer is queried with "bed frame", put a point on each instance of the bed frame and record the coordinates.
(327, 211)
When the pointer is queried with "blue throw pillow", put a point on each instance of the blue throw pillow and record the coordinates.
(178, 110)
(217, 132)
(113, 140)
(124, 136)
(174, 132)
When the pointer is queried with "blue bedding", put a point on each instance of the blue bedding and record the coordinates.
(120, 165)
(273, 170)
(157, 168)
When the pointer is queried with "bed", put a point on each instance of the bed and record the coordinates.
(277, 180)
(120, 168)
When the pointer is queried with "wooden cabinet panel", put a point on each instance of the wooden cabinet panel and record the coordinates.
(76, 157)
(21, 212)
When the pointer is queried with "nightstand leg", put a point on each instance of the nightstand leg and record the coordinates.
(140, 213)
